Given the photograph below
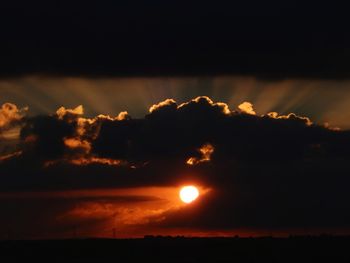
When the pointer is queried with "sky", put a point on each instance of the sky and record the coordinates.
(107, 110)
(270, 39)
(322, 100)
(64, 174)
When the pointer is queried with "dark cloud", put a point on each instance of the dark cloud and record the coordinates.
(43, 136)
(270, 171)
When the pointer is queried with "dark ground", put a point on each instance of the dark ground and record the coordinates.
(293, 249)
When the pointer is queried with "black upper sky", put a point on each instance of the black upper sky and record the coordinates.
(265, 39)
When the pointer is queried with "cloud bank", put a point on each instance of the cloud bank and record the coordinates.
(265, 171)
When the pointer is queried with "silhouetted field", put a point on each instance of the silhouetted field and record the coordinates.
(164, 249)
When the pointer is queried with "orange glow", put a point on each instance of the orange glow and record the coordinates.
(188, 194)
(76, 143)
(10, 113)
(134, 212)
(247, 108)
(206, 151)
(161, 104)
(62, 111)
(10, 155)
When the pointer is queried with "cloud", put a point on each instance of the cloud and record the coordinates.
(85, 161)
(292, 117)
(269, 171)
(198, 104)
(123, 115)
(174, 132)
(43, 136)
(61, 214)
(203, 102)
(10, 115)
(12, 119)
(206, 151)
(77, 144)
(168, 103)
(247, 107)
(63, 112)
(9, 156)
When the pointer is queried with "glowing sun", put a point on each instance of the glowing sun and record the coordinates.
(188, 194)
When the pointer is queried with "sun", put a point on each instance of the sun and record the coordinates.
(188, 194)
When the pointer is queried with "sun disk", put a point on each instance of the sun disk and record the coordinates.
(188, 194)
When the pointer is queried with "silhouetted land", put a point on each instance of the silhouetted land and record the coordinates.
(156, 249)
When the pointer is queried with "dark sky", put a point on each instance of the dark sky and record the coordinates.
(268, 39)
(250, 104)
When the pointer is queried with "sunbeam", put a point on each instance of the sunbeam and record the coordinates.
(313, 98)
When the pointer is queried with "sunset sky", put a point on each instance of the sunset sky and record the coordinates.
(107, 111)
